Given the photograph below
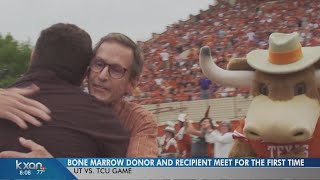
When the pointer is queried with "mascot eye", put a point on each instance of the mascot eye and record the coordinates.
(263, 89)
(299, 89)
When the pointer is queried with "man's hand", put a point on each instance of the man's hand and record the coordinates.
(19, 109)
(190, 129)
(37, 151)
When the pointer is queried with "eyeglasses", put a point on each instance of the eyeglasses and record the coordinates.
(115, 70)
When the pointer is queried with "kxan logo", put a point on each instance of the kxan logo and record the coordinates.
(29, 165)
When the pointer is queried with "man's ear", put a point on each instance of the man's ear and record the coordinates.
(32, 57)
(86, 74)
(132, 85)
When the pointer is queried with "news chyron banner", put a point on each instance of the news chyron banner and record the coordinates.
(159, 168)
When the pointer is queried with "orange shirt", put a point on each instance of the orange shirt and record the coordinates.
(184, 143)
(182, 96)
(272, 150)
(142, 126)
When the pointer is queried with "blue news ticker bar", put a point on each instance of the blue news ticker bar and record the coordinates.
(190, 162)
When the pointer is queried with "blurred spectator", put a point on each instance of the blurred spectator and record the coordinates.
(183, 138)
(200, 147)
(222, 139)
(169, 147)
(204, 84)
(165, 58)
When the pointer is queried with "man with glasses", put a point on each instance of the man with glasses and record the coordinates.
(113, 72)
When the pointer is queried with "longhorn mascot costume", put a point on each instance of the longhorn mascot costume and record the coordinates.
(282, 119)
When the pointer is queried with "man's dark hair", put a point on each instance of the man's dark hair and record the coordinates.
(210, 121)
(65, 49)
(137, 64)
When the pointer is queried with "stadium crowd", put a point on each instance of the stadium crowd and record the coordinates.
(231, 29)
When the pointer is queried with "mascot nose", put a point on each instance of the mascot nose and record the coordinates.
(252, 132)
(294, 134)
(299, 132)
